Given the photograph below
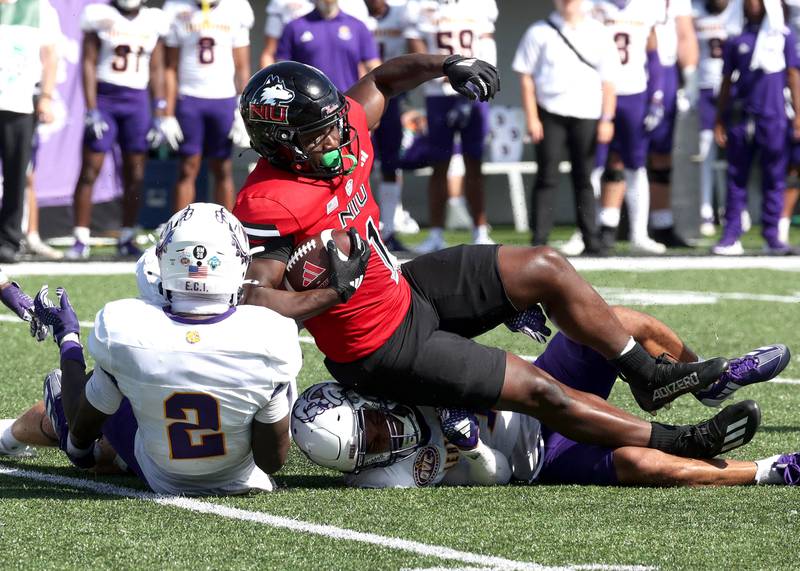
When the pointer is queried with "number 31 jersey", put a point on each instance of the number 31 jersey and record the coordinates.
(195, 387)
(277, 203)
(125, 43)
(206, 39)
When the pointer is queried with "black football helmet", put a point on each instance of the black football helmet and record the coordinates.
(288, 99)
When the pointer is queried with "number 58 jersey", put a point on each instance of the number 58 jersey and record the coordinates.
(195, 387)
(206, 38)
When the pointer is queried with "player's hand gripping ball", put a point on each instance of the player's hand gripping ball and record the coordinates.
(309, 265)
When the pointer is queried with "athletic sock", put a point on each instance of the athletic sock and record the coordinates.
(389, 193)
(783, 229)
(609, 216)
(636, 366)
(637, 196)
(708, 152)
(82, 234)
(661, 219)
(766, 472)
(8, 441)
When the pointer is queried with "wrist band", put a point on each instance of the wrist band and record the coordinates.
(160, 104)
(608, 118)
(72, 350)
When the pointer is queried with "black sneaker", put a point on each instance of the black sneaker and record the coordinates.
(669, 238)
(732, 427)
(672, 380)
(608, 237)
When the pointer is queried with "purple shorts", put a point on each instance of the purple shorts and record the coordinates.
(120, 430)
(567, 461)
(450, 115)
(707, 109)
(127, 112)
(205, 124)
(387, 138)
(630, 139)
(662, 135)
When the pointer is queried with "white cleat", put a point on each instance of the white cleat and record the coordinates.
(647, 246)
(457, 215)
(734, 249)
(431, 244)
(574, 246)
(707, 229)
(16, 451)
(482, 238)
(746, 222)
(404, 223)
(36, 246)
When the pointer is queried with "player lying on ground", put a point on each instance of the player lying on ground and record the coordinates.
(407, 335)
(399, 446)
(186, 395)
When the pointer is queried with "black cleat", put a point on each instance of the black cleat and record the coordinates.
(670, 238)
(672, 380)
(732, 427)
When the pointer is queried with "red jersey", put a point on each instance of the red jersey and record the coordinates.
(275, 202)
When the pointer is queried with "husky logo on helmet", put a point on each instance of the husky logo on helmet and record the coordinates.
(322, 398)
(268, 107)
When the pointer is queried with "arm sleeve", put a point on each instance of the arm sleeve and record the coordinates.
(277, 408)
(241, 36)
(103, 393)
(527, 55)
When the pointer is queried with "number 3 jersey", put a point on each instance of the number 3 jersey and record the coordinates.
(195, 388)
(125, 43)
(277, 204)
(206, 38)
(513, 435)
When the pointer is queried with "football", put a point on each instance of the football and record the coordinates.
(309, 265)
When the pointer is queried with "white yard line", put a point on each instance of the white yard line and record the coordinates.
(328, 531)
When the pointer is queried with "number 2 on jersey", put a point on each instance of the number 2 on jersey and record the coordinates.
(193, 411)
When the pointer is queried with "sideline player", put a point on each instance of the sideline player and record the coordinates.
(494, 447)
(193, 396)
(640, 108)
(407, 335)
(207, 65)
(122, 53)
(462, 27)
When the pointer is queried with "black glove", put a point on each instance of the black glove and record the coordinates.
(464, 73)
(347, 275)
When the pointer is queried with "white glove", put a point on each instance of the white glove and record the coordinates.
(94, 121)
(238, 133)
(155, 136)
(691, 88)
(171, 131)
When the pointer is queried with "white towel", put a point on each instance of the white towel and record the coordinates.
(768, 51)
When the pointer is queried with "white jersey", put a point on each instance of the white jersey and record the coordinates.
(455, 27)
(125, 43)
(195, 388)
(390, 31)
(515, 436)
(281, 12)
(630, 26)
(667, 33)
(712, 30)
(206, 41)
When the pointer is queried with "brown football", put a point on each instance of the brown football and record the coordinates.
(309, 265)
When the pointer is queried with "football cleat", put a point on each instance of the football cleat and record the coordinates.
(574, 246)
(788, 466)
(13, 450)
(725, 248)
(78, 251)
(647, 245)
(431, 244)
(672, 380)
(757, 366)
(51, 394)
(128, 249)
(532, 322)
(460, 427)
(732, 427)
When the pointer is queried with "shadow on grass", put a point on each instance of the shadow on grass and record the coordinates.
(317, 482)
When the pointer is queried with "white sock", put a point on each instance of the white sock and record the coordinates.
(480, 232)
(389, 193)
(662, 218)
(783, 229)
(637, 196)
(33, 237)
(609, 216)
(628, 346)
(7, 440)
(82, 234)
(3, 278)
(126, 234)
(708, 152)
(766, 472)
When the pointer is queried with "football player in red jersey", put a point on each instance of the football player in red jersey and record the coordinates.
(406, 334)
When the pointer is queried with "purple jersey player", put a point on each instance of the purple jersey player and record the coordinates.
(751, 116)
(122, 54)
(335, 42)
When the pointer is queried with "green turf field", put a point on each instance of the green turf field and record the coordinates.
(53, 525)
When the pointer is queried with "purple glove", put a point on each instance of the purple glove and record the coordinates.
(62, 319)
(531, 322)
(21, 303)
(460, 427)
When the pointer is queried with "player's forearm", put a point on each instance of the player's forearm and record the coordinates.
(49, 66)
(157, 87)
(609, 101)
(528, 96)
(90, 84)
(793, 80)
(406, 72)
(723, 98)
(688, 48)
(73, 377)
(170, 89)
(295, 305)
(241, 59)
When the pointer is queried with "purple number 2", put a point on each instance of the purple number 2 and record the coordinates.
(206, 417)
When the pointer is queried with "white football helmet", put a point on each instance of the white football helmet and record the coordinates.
(128, 5)
(338, 428)
(203, 249)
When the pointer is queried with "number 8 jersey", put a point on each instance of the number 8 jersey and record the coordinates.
(125, 43)
(206, 38)
(195, 387)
